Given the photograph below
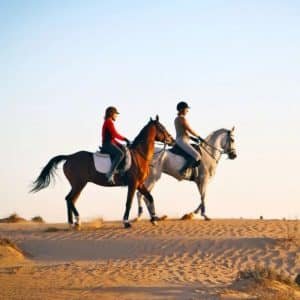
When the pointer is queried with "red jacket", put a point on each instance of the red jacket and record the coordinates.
(109, 132)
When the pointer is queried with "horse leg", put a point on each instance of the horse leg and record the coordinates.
(71, 199)
(69, 210)
(201, 207)
(150, 203)
(140, 207)
(141, 196)
(131, 190)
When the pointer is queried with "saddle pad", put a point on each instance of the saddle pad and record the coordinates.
(177, 161)
(102, 162)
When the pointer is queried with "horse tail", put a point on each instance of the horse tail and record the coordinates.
(47, 173)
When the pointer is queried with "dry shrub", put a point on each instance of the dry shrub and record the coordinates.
(52, 229)
(187, 216)
(276, 295)
(13, 218)
(8, 243)
(93, 224)
(268, 284)
(163, 218)
(292, 232)
(38, 219)
(260, 274)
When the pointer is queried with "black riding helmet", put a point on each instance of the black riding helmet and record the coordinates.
(110, 111)
(182, 105)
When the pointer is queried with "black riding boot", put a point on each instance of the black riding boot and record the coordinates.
(110, 175)
(188, 164)
(197, 163)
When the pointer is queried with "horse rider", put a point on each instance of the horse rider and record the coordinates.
(183, 139)
(109, 141)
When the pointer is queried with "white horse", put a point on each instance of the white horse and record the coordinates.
(164, 161)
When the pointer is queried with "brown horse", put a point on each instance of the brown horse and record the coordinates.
(79, 169)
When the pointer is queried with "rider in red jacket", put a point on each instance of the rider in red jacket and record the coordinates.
(109, 141)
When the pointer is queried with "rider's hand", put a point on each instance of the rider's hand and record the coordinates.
(128, 143)
(201, 140)
(196, 140)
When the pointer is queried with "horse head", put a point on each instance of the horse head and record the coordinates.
(229, 144)
(162, 135)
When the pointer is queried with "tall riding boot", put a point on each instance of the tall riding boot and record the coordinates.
(197, 163)
(189, 163)
(111, 173)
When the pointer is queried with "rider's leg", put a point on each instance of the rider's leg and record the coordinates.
(197, 163)
(188, 164)
(118, 156)
(194, 155)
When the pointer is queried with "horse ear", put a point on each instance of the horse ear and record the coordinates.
(233, 129)
(151, 119)
(157, 118)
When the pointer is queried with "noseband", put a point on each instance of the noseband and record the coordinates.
(161, 128)
(229, 141)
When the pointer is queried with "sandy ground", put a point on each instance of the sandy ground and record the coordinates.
(175, 260)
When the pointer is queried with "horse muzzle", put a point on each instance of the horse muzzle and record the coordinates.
(232, 155)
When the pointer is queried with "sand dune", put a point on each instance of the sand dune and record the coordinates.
(10, 254)
(174, 260)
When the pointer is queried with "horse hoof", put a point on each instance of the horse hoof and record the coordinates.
(206, 218)
(127, 225)
(189, 216)
(163, 218)
(154, 222)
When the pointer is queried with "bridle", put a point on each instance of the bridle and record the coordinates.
(160, 127)
(166, 136)
(229, 150)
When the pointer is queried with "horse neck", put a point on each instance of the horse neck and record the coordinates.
(215, 139)
(144, 143)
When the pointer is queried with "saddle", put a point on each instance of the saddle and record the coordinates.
(102, 161)
(178, 151)
(192, 172)
(122, 163)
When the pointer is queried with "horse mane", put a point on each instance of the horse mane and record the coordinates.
(216, 133)
(141, 136)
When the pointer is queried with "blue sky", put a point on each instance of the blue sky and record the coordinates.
(235, 62)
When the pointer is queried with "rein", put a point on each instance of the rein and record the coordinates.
(211, 146)
(160, 151)
(210, 154)
(221, 151)
(163, 149)
(141, 154)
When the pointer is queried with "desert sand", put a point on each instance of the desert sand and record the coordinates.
(177, 259)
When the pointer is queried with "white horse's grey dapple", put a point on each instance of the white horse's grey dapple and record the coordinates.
(164, 161)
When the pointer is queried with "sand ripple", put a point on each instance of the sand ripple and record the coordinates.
(175, 260)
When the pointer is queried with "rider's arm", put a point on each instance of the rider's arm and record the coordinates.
(114, 132)
(188, 128)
